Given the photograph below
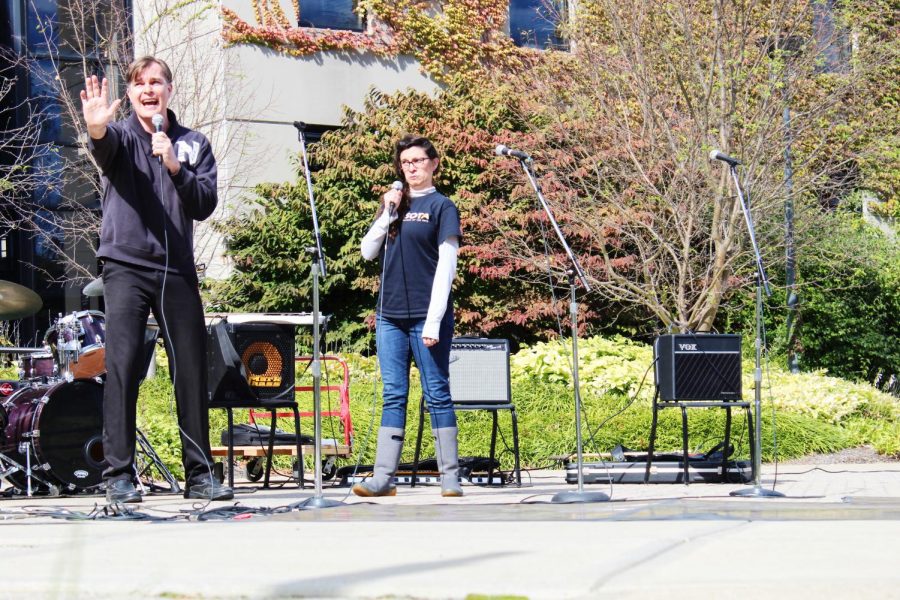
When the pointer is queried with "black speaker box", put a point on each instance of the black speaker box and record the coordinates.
(698, 367)
(479, 371)
(250, 364)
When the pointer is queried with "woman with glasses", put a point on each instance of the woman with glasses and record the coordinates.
(416, 234)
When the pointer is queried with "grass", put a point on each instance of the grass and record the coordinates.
(807, 414)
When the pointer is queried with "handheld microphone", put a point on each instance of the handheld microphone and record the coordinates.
(502, 150)
(717, 155)
(397, 185)
(157, 121)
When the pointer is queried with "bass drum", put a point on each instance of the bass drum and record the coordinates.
(61, 424)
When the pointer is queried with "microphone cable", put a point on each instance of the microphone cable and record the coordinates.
(171, 342)
(378, 315)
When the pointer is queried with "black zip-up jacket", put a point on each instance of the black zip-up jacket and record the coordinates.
(137, 219)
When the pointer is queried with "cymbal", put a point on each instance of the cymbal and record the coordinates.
(94, 288)
(17, 301)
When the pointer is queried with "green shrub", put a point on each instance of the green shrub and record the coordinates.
(849, 290)
(814, 412)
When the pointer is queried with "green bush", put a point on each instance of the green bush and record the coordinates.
(849, 290)
(813, 412)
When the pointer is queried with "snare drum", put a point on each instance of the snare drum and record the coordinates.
(61, 426)
(79, 340)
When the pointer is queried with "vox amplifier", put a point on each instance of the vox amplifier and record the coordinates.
(698, 367)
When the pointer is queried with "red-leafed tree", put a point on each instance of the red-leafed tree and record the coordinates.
(620, 128)
(500, 291)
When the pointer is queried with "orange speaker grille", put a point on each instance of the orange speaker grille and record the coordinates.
(263, 363)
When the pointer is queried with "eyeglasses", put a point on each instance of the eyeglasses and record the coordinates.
(415, 162)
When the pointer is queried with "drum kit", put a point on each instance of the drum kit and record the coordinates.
(51, 417)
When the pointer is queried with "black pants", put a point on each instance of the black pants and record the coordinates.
(130, 293)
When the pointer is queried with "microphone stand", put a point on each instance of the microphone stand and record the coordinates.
(318, 267)
(575, 274)
(762, 283)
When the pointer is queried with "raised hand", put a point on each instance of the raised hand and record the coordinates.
(95, 104)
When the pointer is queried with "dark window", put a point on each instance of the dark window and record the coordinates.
(47, 97)
(535, 23)
(67, 29)
(831, 38)
(331, 14)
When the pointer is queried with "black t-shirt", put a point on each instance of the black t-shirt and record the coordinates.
(410, 260)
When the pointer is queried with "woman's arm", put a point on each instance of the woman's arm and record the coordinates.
(440, 289)
(371, 243)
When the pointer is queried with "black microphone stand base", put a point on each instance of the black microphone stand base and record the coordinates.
(756, 492)
(578, 497)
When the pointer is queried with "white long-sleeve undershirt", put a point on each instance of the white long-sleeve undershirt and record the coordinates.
(374, 238)
(443, 275)
(440, 287)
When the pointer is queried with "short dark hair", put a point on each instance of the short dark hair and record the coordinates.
(137, 67)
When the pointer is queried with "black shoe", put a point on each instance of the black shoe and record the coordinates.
(207, 488)
(121, 491)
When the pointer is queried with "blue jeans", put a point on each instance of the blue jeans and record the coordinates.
(399, 342)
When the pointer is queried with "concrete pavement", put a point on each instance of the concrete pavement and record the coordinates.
(836, 534)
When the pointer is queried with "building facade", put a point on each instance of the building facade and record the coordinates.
(245, 98)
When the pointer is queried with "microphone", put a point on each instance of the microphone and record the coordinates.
(397, 185)
(157, 121)
(717, 155)
(502, 150)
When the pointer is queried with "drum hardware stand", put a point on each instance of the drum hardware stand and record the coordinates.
(25, 448)
(69, 351)
(151, 460)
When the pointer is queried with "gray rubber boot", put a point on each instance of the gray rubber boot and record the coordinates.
(387, 457)
(445, 447)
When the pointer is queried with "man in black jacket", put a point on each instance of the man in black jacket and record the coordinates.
(158, 178)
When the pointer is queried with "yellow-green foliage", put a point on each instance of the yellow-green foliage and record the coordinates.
(818, 395)
(606, 365)
(814, 412)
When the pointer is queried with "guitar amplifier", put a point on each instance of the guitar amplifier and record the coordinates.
(698, 367)
(479, 371)
(250, 364)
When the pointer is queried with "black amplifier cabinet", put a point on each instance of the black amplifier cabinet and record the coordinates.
(698, 367)
(250, 364)
(479, 371)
